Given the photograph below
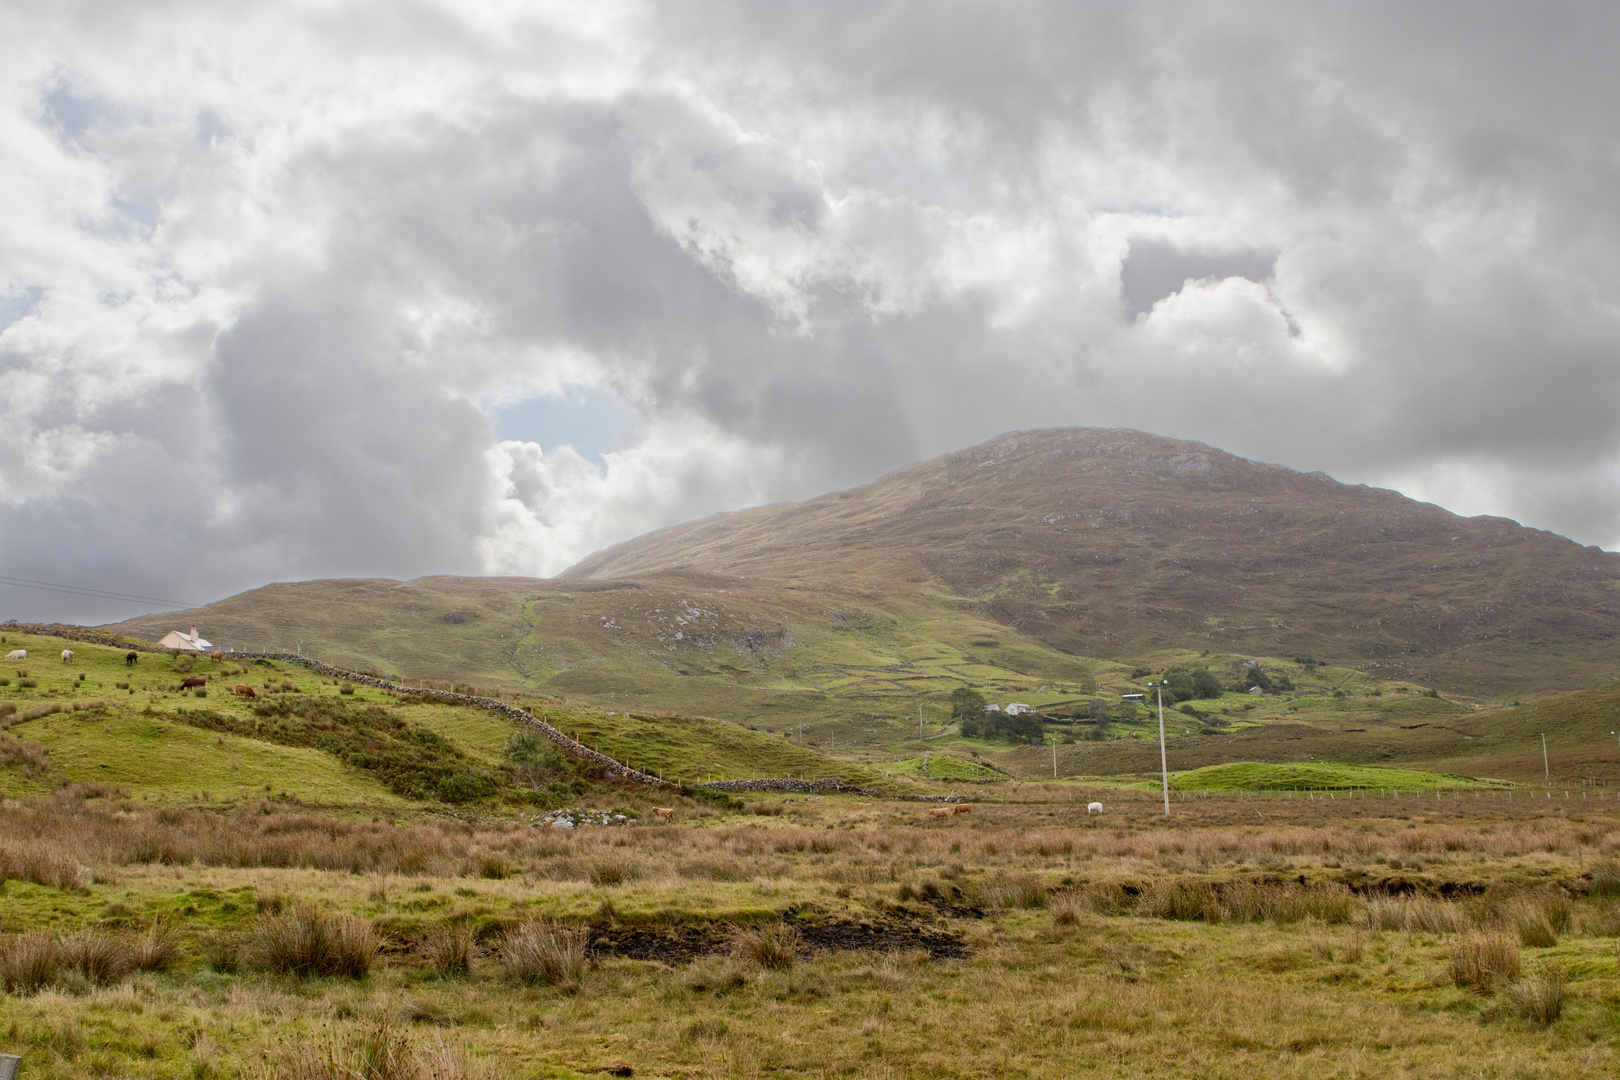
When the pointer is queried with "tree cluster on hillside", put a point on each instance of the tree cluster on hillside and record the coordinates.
(968, 708)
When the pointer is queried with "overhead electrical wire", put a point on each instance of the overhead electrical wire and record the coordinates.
(99, 594)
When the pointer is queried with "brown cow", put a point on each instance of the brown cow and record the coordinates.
(193, 682)
(245, 690)
(664, 813)
(941, 811)
(962, 808)
(216, 655)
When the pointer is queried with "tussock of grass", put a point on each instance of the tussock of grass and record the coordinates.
(546, 953)
(304, 940)
(41, 862)
(449, 948)
(1482, 962)
(374, 1053)
(30, 961)
(772, 945)
(1537, 998)
(1529, 920)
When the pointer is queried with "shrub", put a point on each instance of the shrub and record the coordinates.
(495, 866)
(346, 689)
(1018, 892)
(30, 961)
(1105, 898)
(1602, 920)
(449, 949)
(546, 953)
(224, 952)
(775, 946)
(1481, 962)
(1537, 998)
(34, 758)
(28, 684)
(306, 941)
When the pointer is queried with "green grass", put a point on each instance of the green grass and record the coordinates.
(940, 767)
(158, 758)
(1254, 776)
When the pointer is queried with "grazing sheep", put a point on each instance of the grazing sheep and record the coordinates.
(17, 654)
(245, 690)
(130, 658)
(67, 656)
(1094, 808)
(664, 813)
(942, 811)
(193, 682)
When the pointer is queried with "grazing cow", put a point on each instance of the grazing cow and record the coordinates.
(130, 658)
(216, 655)
(193, 682)
(962, 808)
(1094, 808)
(942, 811)
(664, 813)
(17, 654)
(245, 690)
(67, 656)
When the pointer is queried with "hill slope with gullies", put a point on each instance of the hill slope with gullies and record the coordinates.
(1116, 544)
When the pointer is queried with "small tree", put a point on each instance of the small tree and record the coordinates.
(967, 703)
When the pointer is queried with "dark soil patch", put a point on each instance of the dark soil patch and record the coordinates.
(678, 943)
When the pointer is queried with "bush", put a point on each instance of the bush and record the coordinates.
(612, 870)
(1537, 998)
(1605, 879)
(42, 863)
(546, 953)
(306, 941)
(449, 949)
(775, 946)
(1481, 962)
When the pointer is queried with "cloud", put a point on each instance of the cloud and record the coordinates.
(271, 276)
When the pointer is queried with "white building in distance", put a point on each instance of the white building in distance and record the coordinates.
(182, 642)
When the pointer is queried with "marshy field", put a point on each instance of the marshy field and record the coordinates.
(1459, 934)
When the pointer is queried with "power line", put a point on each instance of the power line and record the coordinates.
(75, 590)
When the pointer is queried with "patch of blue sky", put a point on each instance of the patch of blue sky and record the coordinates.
(592, 421)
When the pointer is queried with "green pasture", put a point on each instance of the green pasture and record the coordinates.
(1313, 776)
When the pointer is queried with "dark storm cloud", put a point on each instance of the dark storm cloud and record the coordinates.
(261, 311)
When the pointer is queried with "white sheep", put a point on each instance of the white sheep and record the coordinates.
(1094, 808)
(67, 656)
(17, 654)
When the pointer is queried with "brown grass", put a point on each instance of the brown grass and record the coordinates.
(304, 940)
(772, 945)
(30, 961)
(1537, 998)
(449, 948)
(1482, 962)
(375, 1053)
(1528, 918)
(546, 953)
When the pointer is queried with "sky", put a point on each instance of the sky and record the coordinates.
(320, 289)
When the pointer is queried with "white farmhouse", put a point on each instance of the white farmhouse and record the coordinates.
(183, 642)
(1018, 708)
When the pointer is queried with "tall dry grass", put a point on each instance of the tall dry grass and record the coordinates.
(546, 953)
(304, 940)
(1484, 961)
(379, 1052)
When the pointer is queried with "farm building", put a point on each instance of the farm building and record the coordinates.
(1018, 708)
(183, 642)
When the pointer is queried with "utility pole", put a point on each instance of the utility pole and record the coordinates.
(1054, 757)
(1164, 763)
(1545, 768)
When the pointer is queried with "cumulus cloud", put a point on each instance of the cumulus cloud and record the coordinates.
(268, 275)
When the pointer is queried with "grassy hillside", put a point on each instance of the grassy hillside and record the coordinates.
(306, 739)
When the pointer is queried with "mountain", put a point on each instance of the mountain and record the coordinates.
(1050, 563)
(1116, 543)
